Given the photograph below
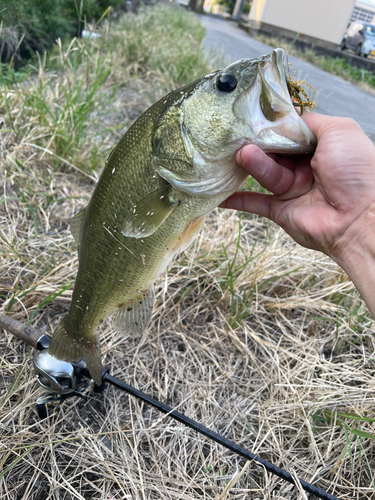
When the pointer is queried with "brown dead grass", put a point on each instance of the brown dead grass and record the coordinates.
(255, 337)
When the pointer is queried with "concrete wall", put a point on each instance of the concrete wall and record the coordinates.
(322, 19)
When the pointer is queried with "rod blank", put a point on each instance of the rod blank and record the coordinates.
(216, 437)
(38, 340)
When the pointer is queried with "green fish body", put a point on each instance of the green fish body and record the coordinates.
(174, 165)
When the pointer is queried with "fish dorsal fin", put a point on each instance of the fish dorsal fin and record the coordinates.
(75, 224)
(134, 317)
(149, 214)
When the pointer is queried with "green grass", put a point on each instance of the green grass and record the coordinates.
(31, 26)
(163, 43)
(355, 436)
(235, 265)
(9, 76)
(63, 104)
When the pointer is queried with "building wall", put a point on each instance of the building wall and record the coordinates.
(322, 19)
(363, 12)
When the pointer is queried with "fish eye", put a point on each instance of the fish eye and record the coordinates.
(226, 82)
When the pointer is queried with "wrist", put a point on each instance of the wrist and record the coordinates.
(356, 255)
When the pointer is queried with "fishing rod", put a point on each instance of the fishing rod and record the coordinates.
(63, 380)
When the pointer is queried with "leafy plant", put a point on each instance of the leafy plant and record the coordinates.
(353, 433)
(38, 23)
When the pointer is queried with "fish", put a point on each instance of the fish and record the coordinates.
(173, 165)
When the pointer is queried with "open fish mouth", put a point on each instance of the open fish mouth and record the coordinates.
(267, 109)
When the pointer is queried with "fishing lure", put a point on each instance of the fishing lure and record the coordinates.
(297, 91)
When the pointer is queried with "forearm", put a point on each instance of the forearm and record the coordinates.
(358, 261)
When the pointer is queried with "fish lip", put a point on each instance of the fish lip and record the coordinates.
(269, 144)
(288, 133)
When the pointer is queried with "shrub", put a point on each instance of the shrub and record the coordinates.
(33, 25)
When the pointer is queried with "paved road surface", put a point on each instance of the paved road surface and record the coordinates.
(334, 96)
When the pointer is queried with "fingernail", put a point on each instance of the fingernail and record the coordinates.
(239, 157)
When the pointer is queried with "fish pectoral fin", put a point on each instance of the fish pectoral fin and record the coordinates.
(75, 224)
(134, 317)
(149, 214)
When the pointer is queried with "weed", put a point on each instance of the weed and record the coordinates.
(354, 435)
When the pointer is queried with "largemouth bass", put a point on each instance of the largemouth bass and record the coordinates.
(173, 165)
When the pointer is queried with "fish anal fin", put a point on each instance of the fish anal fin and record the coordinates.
(68, 347)
(149, 214)
(132, 318)
(75, 224)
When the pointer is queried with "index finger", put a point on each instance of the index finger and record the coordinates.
(269, 173)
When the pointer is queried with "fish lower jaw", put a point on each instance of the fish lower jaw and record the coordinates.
(283, 140)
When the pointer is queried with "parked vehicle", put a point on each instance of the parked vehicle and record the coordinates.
(361, 38)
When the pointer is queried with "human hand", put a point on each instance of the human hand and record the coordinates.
(325, 201)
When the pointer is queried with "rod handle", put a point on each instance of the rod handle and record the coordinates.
(31, 336)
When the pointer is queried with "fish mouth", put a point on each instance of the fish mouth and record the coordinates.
(267, 109)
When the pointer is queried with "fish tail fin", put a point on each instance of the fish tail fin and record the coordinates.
(66, 346)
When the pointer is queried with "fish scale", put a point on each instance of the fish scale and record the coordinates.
(173, 165)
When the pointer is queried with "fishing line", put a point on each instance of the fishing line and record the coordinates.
(40, 341)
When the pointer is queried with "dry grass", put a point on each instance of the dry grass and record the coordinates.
(253, 336)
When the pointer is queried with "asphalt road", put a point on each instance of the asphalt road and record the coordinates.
(333, 95)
